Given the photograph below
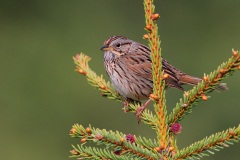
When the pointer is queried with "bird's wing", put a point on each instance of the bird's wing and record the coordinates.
(174, 73)
(138, 64)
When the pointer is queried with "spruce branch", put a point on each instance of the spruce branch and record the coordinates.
(96, 81)
(208, 145)
(82, 66)
(82, 152)
(157, 74)
(210, 82)
(147, 143)
(115, 140)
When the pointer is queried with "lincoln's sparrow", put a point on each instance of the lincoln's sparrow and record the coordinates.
(128, 65)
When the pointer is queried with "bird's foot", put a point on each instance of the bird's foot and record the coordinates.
(125, 105)
(140, 110)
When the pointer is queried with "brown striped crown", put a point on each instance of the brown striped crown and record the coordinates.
(113, 38)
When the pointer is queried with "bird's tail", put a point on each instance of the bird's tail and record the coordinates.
(187, 79)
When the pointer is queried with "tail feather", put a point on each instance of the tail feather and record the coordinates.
(222, 87)
(186, 79)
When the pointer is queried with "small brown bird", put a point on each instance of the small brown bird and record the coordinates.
(128, 65)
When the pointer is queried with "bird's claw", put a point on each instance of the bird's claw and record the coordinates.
(125, 105)
(139, 112)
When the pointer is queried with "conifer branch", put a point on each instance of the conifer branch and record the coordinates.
(157, 74)
(96, 81)
(210, 82)
(209, 144)
(147, 143)
(82, 152)
(81, 60)
(116, 140)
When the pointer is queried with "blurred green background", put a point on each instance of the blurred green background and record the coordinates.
(41, 96)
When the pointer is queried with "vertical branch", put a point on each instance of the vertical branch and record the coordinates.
(158, 83)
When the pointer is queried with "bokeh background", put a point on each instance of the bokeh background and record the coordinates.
(41, 96)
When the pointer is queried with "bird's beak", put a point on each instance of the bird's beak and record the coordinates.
(104, 48)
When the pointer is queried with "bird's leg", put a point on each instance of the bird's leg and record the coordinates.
(141, 109)
(125, 104)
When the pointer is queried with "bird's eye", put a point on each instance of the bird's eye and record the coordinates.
(118, 45)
